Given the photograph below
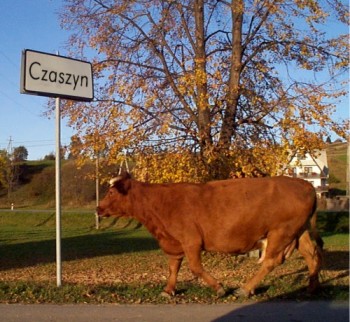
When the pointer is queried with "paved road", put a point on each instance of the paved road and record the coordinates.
(262, 312)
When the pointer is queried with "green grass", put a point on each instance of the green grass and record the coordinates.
(30, 237)
(121, 263)
(336, 240)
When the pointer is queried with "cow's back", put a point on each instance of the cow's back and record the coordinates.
(258, 196)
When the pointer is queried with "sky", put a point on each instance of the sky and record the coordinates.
(28, 24)
(34, 24)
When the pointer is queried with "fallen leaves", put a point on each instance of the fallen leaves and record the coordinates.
(140, 277)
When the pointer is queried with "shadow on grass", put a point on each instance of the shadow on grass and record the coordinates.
(86, 246)
(335, 260)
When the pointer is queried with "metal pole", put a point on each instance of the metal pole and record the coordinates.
(58, 194)
(97, 218)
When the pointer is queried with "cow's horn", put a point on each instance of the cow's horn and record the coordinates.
(114, 180)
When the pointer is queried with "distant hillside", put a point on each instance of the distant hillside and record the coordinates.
(37, 186)
(37, 182)
(338, 165)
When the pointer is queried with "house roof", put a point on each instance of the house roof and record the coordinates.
(318, 158)
(321, 161)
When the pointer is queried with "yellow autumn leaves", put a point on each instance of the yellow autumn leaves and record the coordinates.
(201, 90)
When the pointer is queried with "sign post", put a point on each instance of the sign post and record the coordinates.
(58, 193)
(60, 77)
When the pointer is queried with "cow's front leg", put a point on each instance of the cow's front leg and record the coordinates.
(174, 267)
(194, 260)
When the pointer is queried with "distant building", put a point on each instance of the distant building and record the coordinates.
(312, 168)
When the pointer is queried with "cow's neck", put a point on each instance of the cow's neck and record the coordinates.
(145, 209)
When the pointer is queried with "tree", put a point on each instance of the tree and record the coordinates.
(3, 163)
(20, 154)
(51, 156)
(9, 172)
(232, 84)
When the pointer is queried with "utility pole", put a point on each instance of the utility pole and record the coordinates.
(11, 171)
(9, 147)
(347, 169)
(97, 173)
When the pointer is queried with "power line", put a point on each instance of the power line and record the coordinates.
(39, 145)
(34, 141)
(9, 59)
(33, 144)
(15, 85)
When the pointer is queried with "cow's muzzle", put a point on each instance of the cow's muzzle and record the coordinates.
(100, 212)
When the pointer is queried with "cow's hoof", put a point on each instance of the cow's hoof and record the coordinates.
(241, 293)
(313, 288)
(220, 292)
(314, 285)
(167, 295)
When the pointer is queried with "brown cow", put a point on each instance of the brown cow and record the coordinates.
(229, 216)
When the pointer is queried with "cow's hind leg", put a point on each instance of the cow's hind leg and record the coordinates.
(313, 258)
(275, 256)
(267, 266)
(174, 267)
(194, 260)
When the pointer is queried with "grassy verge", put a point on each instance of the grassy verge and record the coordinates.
(121, 263)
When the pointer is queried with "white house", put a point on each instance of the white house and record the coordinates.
(313, 168)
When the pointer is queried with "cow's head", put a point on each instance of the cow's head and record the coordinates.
(117, 201)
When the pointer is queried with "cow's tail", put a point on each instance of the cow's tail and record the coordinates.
(313, 227)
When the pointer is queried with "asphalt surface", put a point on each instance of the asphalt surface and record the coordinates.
(262, 312)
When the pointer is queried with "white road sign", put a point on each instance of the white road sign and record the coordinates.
(56, 76)
(61, 77)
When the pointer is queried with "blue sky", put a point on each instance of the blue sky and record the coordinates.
(27, 24)
(34, 24)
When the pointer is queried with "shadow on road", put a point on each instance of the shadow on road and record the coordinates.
(276, 311)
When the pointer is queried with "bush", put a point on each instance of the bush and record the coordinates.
(335, 222)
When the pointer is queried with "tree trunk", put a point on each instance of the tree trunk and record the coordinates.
(232, 98)
(203, 121)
